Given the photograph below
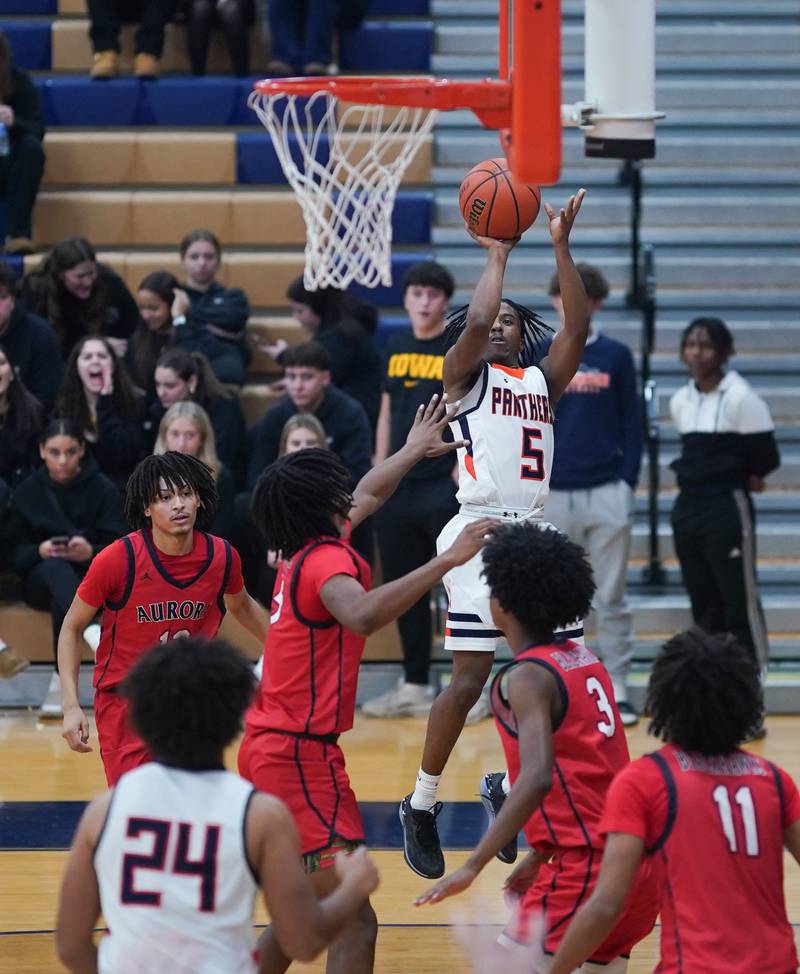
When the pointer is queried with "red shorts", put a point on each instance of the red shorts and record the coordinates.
(565, 883)
(120, 749)
(310, 779)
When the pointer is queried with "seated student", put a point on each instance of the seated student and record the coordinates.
(309, 390)
(98, 398)
(105, 19)
(195, 915)
(182, 376)
(160, 300)
(186, 428)
(79, 296)
(717, 818)
(344, 325)
(217, 316)
(60, 517)
(564, 742)
(21, 418)
(21, 169)
(30, 342)
(234, 17)
(302, 432)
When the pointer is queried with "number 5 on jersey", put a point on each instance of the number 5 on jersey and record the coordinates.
(534, 470)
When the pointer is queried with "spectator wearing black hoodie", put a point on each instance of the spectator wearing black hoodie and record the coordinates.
(21, 170)
(29, 342)
(21, 416)
(60, 517)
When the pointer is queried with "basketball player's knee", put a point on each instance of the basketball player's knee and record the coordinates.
(466, 688)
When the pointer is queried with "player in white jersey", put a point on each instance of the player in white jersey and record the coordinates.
(506, 413)
(174, 855)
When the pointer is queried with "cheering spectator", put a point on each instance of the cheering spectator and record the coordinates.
(106, 16)
(21, 416)
(61, 516)
(597, 453)
(30, 343)
(234, 16)
(160, 300)
(727, 448)
(99, 399)
(182, 376)
(343, 324)
(217, 316)
(80, 297)
(22, 165)
(186, 428)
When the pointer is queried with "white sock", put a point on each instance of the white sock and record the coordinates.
(3, 645)
(506, 784)
(620, 690)
(424, 797)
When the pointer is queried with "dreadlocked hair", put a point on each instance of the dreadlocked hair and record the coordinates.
(296, 498)
(174, 471)
(534, 329)
(538, 576)
(704, 693)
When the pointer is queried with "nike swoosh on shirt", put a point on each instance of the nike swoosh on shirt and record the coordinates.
(410, 383)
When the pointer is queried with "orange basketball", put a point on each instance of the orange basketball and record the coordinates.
(496, 204)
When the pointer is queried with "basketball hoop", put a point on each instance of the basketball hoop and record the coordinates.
(344, 145)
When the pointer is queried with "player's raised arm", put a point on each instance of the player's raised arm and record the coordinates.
(563, 359)
(75, 729)
(424, 440)
(465, 359)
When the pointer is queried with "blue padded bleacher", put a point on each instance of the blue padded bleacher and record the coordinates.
(30, 42)
(392, 297)
(387, 48)
(30, 8)
(15, 263)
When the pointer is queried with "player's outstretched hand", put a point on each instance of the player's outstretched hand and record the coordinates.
(470, 541)
(429, 425)
(523, 876)
(75, 729)
(561, 222)
(451, 885)
(358, 871)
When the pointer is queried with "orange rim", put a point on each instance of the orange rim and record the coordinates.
(490, 99)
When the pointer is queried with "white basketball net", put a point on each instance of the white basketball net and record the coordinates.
(347, 201)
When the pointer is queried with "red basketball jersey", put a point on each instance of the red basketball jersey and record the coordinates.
(717, 824)
(310, 670)
(589, 745)
(149, 598)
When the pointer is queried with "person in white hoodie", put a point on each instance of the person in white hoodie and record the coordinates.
(727, 448)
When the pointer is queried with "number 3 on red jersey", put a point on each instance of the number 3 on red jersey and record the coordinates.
(608, 725)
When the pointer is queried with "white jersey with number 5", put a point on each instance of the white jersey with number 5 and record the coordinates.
(176, 889)
(506, 416)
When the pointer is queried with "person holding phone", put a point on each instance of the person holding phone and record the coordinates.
(61, 515)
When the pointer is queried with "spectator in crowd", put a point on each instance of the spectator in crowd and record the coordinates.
(180, 376)
(186, 428)
(727, 448)
(30, 343)
(597, 454)
(12, 661)
(309, 390)
(105, 19)
(21, 418)
(61, 516)
(344, 325)
(217, 316)
(160, 300)
(22, 165)
(80, 297)
(411, 520)
(302, 36)
(98, 397)
(234, 16)
(302, 432)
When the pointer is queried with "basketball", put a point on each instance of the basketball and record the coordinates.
(496, 204)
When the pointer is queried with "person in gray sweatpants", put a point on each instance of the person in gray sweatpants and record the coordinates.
(598, 451)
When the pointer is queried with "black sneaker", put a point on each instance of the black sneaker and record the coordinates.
(421, 848)
(493, 796)
(627, 714)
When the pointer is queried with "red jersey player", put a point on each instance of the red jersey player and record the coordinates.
(164, 580)
(718, 819)
(563, 741)
(322, 610)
